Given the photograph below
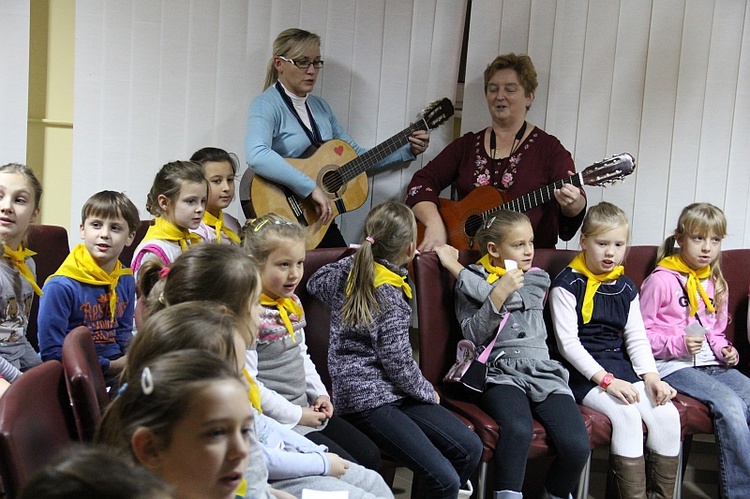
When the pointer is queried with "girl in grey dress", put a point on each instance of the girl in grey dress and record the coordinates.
(522, 383)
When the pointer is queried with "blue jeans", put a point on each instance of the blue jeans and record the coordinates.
(428, 439)
(726, 392)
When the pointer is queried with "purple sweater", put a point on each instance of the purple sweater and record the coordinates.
(370, 365)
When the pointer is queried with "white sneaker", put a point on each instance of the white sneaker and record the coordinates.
(465, 491)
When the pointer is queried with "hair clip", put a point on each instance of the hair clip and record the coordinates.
(163, 299)
(275, 222)
(122, 389)
(370, 240)
(147, 381)
(489, 223)
(164, 272)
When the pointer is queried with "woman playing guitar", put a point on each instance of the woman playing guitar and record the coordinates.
(285, 121)
(512, 155)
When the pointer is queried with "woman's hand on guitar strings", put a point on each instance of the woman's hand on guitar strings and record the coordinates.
(322, 205)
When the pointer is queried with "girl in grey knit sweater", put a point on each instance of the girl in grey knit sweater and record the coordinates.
(377, 385)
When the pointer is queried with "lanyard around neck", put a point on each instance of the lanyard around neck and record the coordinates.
(314, 134)
(516, 140)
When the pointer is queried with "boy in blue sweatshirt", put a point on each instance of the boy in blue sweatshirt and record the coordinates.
(92, 288)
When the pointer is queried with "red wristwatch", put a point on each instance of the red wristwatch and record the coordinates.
(606, 381)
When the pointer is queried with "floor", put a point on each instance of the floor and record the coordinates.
(700, 477)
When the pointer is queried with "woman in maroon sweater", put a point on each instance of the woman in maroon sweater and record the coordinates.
(512, 155)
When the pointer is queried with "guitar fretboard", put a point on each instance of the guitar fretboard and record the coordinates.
(536, 198)
(358, 165)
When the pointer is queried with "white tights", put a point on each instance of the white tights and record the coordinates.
(662, 421)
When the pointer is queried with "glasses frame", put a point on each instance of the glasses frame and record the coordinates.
(304, 65)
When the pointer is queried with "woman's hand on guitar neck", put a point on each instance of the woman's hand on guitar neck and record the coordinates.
(322, 205)
(570, 199)
(420, 140)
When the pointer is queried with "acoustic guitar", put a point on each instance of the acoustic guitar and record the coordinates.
(464, 218)
(340, 173)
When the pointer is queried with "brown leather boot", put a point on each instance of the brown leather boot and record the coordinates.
(629, 475)
(662, 475)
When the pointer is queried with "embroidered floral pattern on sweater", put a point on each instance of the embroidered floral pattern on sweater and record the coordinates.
(483, 165)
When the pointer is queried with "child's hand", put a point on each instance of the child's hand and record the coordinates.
(730, 355)
(339, 465)
(116, 366)
(446, 253)
(509, 283)
(448, 256)
(623, 391)
(694, 343)
(323, 404)
(311, 417)
(280, 494)
(437, 397)
(512, 281)
(659, 391)
(4, 385)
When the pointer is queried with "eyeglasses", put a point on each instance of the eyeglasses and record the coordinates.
(303, 64)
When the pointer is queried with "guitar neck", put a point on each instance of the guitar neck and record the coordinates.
(360, 164)
(536, 198)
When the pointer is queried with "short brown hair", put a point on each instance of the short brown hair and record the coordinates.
(521, 64)
(111, 204)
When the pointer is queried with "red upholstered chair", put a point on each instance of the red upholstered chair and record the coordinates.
(85, 381)
(318, 314)
(127, 253)
(439, 332)
(50, 242)
(36, 422)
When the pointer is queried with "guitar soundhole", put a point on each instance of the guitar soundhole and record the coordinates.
(332, 181)
(473, 224)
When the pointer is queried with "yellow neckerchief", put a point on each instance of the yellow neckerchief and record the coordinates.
(218, 224)
(592, 284)
(241, 489)
(694, 278)
(18, 259)
(495, 272)
(285, 307)
(80, 266)
(167, 231)
(383, 275)
(253, 393)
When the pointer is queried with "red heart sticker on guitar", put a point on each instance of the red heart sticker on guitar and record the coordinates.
(339, 150)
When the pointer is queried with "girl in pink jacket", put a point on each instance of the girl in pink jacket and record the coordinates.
(684, 303)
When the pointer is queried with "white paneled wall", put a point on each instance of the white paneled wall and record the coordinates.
(666, 80)
(157, 80)
(14, 84)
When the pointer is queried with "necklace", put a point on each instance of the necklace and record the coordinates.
(513, 147)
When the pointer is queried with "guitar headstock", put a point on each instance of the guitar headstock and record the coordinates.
(610, 170)
(435, 114)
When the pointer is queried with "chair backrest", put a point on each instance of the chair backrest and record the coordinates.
(439, 331)
(85, 381)
(36, 422)
(318, 314)
(50, 242)
(735, 265)
(126, 257)
(639, 263)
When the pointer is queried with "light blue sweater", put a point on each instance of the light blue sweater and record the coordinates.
(273, 133)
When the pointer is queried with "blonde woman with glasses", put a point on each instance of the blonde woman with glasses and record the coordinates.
(286, 120)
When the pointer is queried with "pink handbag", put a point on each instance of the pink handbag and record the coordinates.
(470, 370)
